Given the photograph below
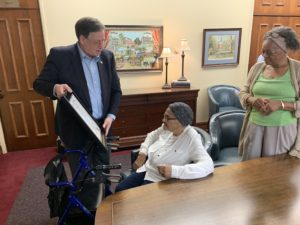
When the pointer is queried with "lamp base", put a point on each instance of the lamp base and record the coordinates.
(181, 84)
(166, 86)
(182, 78)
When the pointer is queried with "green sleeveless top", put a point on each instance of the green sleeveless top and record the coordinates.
(279, 88)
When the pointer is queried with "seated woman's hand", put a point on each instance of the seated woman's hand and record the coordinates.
(141, 159)
(165, 170)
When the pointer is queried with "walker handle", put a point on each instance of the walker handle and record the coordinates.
(109, 167)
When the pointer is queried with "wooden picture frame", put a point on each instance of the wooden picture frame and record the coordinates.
(136, 48)
(221, 47)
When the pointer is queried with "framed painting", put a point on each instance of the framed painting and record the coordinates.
(221, 47)
(136, 48)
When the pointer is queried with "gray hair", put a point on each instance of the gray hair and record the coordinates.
(183, 113)
(289, 35)
(86, 25)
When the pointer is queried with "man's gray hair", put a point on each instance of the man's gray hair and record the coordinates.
(183, 113)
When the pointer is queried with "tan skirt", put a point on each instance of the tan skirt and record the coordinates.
(267, 141)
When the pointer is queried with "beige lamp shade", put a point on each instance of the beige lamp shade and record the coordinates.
(184, 45)
(166, 53)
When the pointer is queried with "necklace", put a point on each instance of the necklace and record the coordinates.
(274, 72)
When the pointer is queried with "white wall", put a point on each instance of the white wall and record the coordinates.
(180, 19)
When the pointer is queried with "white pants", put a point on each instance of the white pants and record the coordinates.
(267, 141)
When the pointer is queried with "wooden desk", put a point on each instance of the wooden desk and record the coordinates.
(141, 111)
(258, 192)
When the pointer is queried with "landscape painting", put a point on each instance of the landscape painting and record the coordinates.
(221, 47)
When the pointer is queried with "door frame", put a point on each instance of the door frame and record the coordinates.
(2, 140)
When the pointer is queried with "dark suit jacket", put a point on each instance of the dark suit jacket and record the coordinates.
(63, 66)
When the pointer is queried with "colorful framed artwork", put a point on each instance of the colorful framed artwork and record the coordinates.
(221, 47)
(136, 48)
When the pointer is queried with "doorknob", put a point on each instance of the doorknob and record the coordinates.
(1, 94)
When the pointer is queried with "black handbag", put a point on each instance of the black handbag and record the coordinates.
(57, 196)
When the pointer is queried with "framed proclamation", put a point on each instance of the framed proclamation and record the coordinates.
(84, 116)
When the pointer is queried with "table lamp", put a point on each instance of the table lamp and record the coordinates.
(166, 53)
(184, 47)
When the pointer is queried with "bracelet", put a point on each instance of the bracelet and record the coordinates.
(282, 104)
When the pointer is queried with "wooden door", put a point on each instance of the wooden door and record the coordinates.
(294, 22)
(262, 24)
(27, 118)
(268, 14)
(277, 7)
(271, 7)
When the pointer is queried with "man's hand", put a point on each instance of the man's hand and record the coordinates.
(61, 89)
(107, 124)
(165, 170)
(141, 159)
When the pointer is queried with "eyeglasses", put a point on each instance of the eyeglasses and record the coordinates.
(96, 42)
(269, 53)
(167, 118)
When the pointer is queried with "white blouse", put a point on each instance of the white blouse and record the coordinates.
(185, 153)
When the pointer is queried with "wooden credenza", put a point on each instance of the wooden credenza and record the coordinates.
(141, 111)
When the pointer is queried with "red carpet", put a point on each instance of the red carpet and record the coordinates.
(13, 168)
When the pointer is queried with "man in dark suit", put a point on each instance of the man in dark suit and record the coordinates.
(88, 70)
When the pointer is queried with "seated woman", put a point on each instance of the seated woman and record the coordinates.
(174, 150)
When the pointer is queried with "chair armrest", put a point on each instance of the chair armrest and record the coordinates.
(206, 139)
(214, 106)
(219, 164)
(126, 174)
(214, 152)
(133, 155)
(215, 134)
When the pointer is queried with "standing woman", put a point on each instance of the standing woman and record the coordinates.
(271, 99)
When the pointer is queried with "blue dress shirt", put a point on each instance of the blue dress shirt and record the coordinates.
(92, 77)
